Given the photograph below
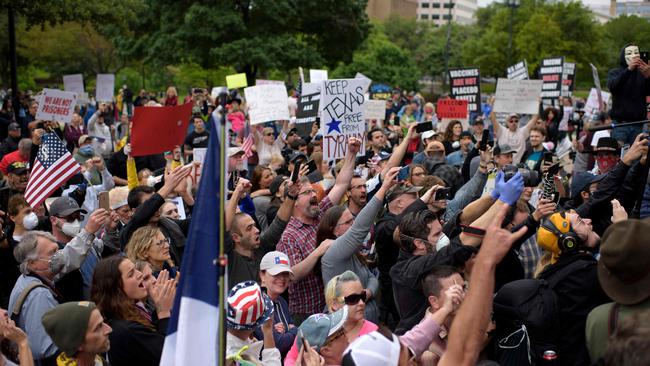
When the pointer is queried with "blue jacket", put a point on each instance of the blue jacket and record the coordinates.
(281, 314)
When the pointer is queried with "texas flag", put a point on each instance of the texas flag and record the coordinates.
(279, 260)
(159, 129)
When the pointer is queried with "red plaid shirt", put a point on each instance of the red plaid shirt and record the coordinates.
(307, 296)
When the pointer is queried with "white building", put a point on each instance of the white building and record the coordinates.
(638, 8)
(437, 11)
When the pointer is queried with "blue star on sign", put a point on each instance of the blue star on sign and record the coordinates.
(333, 126)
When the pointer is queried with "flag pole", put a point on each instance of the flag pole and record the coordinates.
(223, 261)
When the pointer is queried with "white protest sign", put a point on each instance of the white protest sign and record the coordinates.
(178, 201)
(517, 96)
(267, 103)
(74, 83)
(593, 106)
(342, 102)
(362, 76)
(518, 71)
(375, 109)
(316, 76)
(311, 88)
(198, 157)
(105, 87)
(266, 82)
(56, 105)
(218, 90)
(594, 73)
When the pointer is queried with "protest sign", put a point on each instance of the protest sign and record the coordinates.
(466, 85)
(362, 76)
(568, 78)
(267, 103)
(518, 71)
(198, 157)
(375, 109)
(517, 96)
(56, 105)
(235, 81)
(452, 108)
(105, 87)
(599, 94)
(218, 90)
(74, 83)
(593, 104)
(550, 72)
(267, 82)
(342, 103)
(317, 76)
(307, 108)
(178, 201)
(380, 91)
(311, 88)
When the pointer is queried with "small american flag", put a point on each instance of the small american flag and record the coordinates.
(53, 167)
(247, 146)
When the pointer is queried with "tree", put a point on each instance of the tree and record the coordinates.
(252, 36)
(382, 61)
(621, 31)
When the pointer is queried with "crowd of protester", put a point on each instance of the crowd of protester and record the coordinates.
(515, 249)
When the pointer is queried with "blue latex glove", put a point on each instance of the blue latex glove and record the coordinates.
(499, 185)
(512, 190)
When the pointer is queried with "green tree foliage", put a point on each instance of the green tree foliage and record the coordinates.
(623, 30)
(382, 61)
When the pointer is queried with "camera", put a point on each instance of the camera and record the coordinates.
(531, 178)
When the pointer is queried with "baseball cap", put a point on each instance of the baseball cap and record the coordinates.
(17, 167)
(465, 134)
(83, 138)
(117, 197)
(504, 149)
(477, 120)
(297, 155)
(581, 180)
(428, 134)
(234, 150)
(319, 327)
(400, 190)
(372, 349)
(275, 263)
(513, 115)
(13, 126)
(276, 183)
(64, 206)
(383, 156)
(624, 261)
(67, 324)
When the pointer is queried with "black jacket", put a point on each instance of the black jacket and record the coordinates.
(578, 293)
(629, 89)
(408, 272)
(135, 344)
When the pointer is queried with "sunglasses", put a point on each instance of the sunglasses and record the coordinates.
(355, 298)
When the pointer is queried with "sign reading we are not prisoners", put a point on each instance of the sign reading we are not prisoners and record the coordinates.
(56, 105)
(466, 85)
(342, 104)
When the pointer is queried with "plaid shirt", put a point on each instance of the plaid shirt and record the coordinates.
(297, 242)
(529, 254)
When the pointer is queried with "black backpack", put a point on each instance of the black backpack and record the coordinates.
(527, 316)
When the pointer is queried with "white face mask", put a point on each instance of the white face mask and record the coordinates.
(443, 241)
(151, 181)
(630, 53)
(71, 228)
(30, 222)
(328, 183)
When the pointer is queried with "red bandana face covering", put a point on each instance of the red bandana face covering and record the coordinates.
(606, 162)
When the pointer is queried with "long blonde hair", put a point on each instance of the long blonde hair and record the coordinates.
(140, 243)
(333, 289)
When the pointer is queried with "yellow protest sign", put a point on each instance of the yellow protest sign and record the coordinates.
(236, 81)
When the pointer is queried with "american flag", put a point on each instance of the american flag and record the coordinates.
(248, 143)
(53, 167)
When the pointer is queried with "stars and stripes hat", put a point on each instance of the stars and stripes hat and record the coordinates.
(248, 307)
(275, 263)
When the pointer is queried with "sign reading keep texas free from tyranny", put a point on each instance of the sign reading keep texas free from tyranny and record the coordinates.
(342, 105)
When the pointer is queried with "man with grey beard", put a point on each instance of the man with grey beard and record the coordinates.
(299, 239)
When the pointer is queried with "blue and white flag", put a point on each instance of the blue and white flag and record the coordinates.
(193, 334)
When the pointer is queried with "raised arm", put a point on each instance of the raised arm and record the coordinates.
(399, 152)
(495, 124)
(347, 171)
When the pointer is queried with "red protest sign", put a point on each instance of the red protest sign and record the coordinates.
(159, 129)
(452, 108)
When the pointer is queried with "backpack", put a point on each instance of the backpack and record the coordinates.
(527, 316)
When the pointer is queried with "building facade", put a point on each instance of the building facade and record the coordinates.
(438, 11)
(638, 8)
(383, 9)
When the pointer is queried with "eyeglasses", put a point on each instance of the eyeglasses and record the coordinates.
(350, 221)
(268, 134)
(355, 298)
(162, 242)
(358, 186)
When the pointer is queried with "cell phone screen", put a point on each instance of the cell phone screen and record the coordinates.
(296, 170)
(403, 174)
(423, 127)
(312, 166)
(645, 56)
(443, 194)
(104, 201)
(484, 140)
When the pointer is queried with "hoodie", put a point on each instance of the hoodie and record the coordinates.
(629, 89)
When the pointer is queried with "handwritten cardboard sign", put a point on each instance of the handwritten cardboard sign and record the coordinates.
(267, 103)
(375, 109)
(517, 96)
(56, 105)
(342, 104)
(452, 108)
(74, 83)
(105, 87)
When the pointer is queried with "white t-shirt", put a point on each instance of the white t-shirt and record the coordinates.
(516, 140)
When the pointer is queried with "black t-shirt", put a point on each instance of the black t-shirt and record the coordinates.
(196, 139)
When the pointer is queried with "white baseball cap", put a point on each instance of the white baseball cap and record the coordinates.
(275, 263)
(428, 134)
(372, 349)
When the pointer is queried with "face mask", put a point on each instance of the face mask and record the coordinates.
(328, 183)
(631, 52)
(30, 221)
(151, 181)
(86, 150)
(71, 228)
(443, 241)
(605, 163)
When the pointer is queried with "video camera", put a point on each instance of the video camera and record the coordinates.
(531, 178)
